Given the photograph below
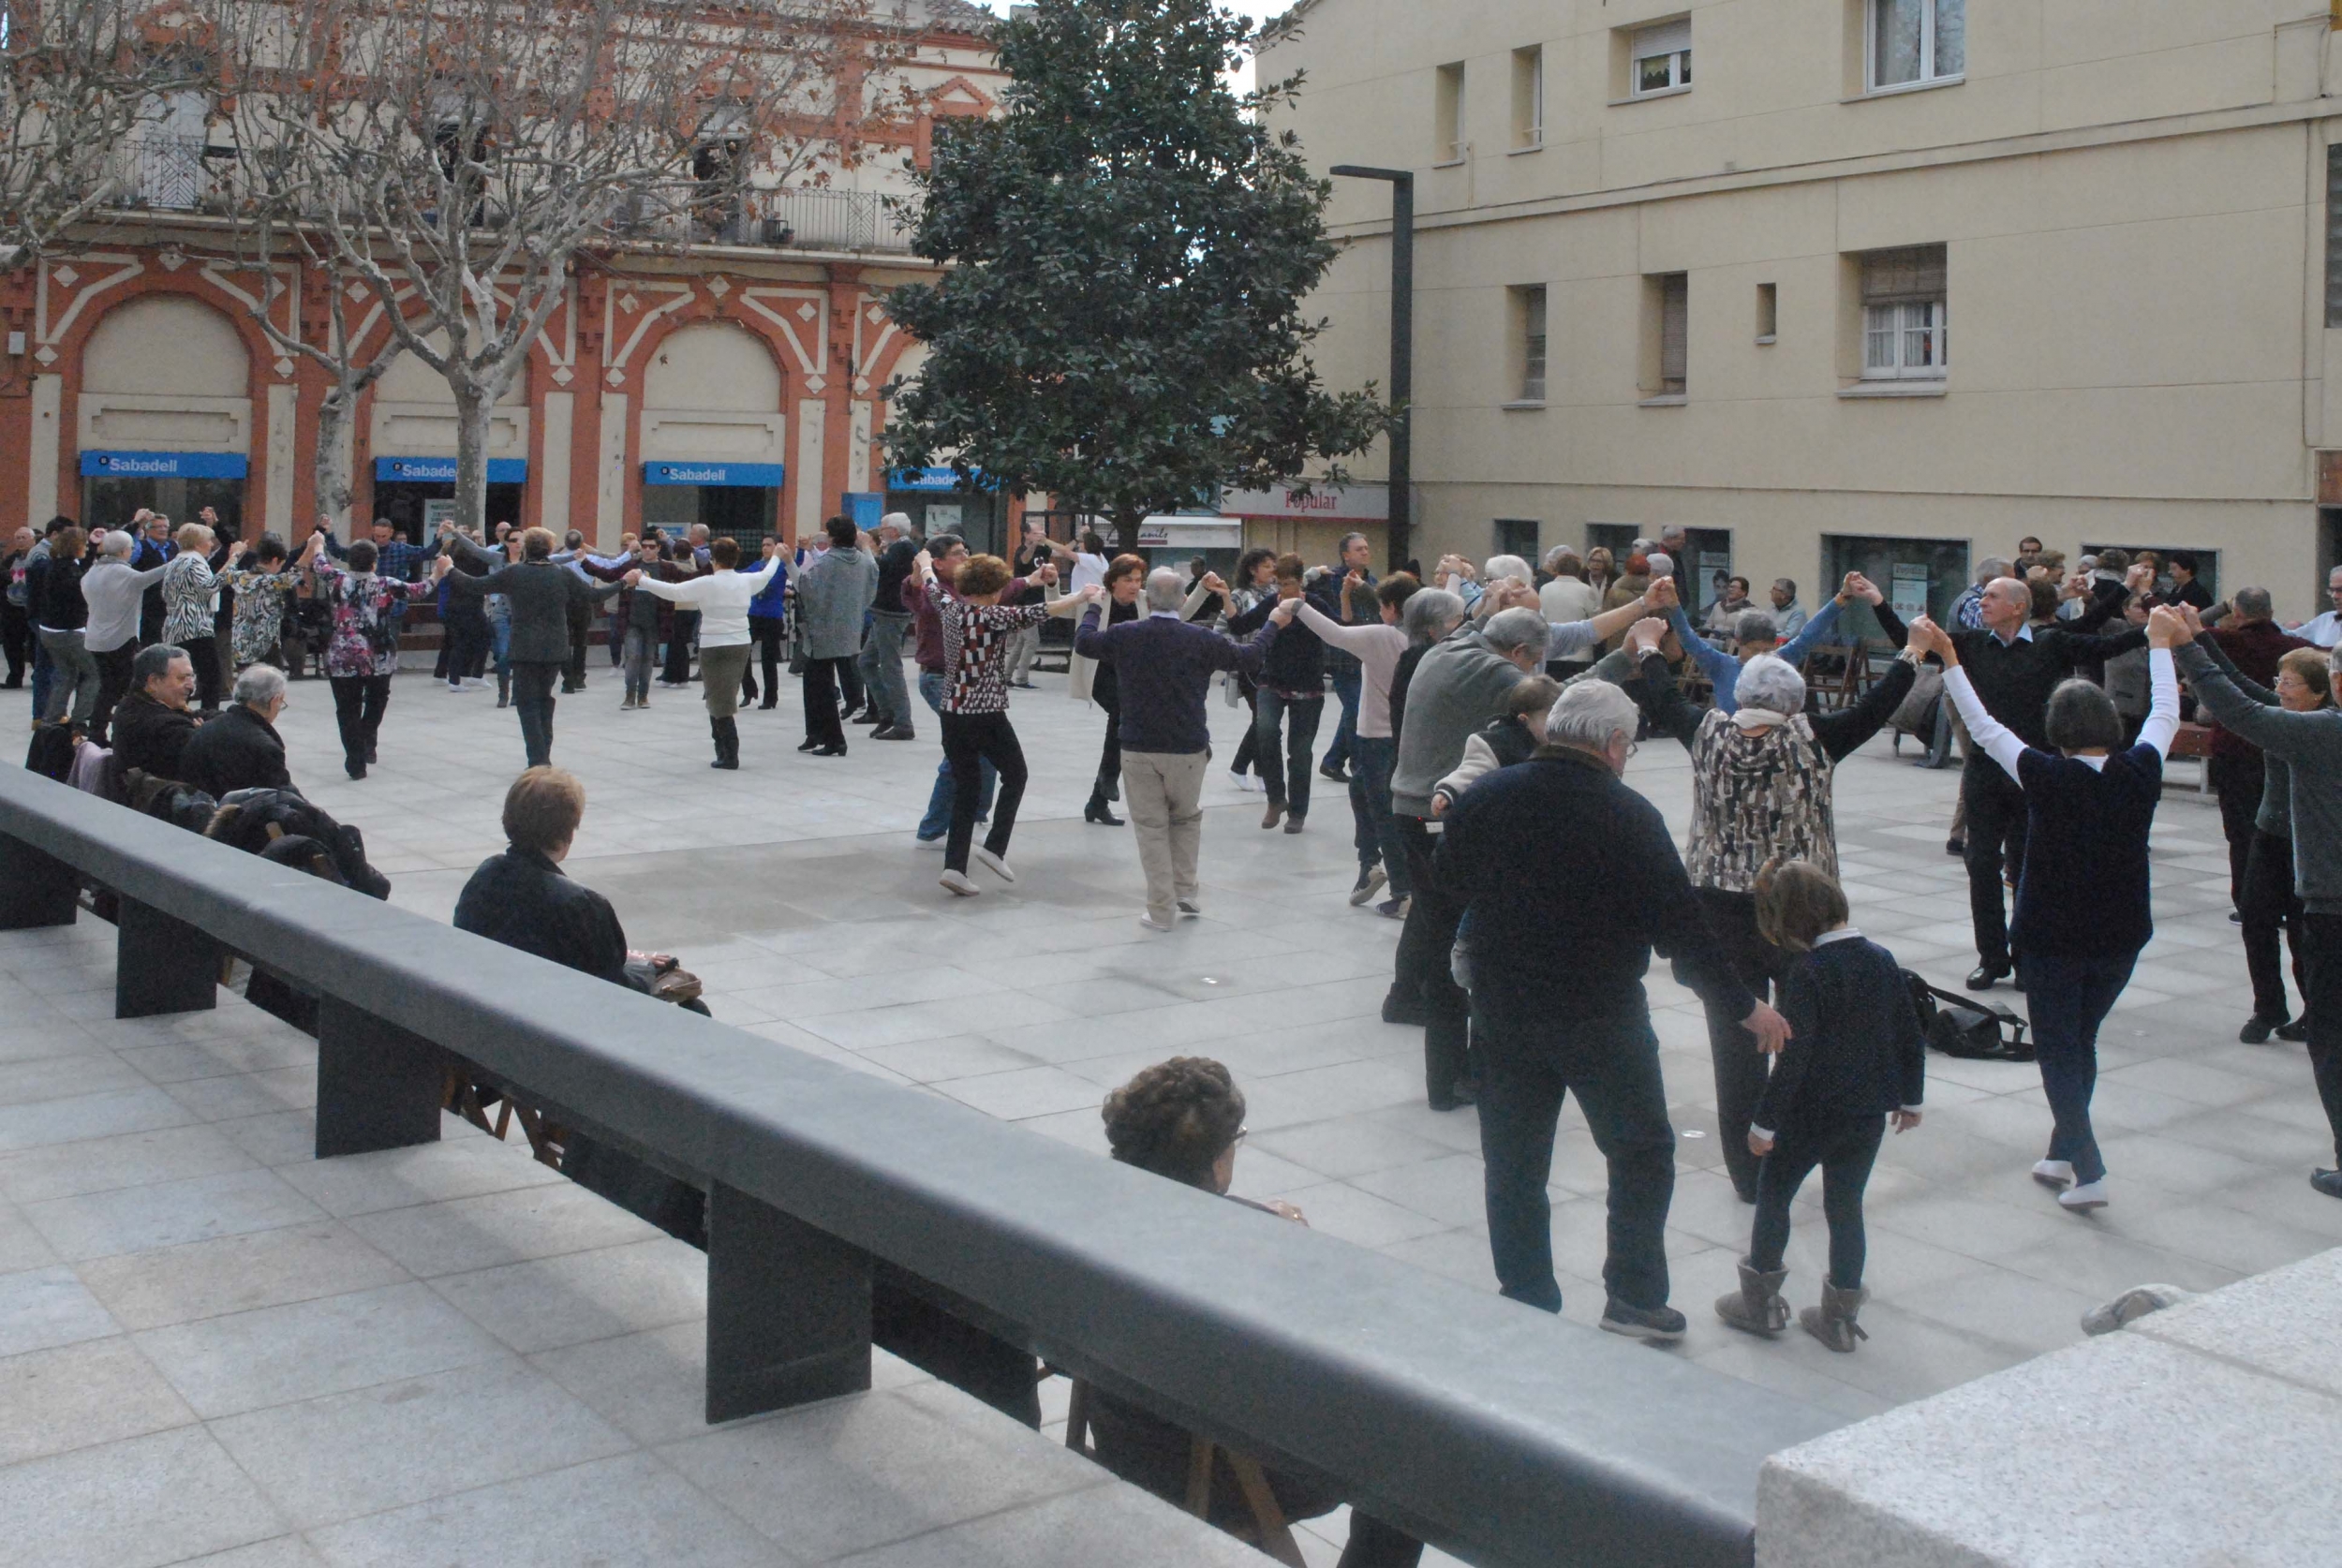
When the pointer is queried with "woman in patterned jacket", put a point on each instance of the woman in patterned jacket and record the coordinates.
(1761, 779)
(362, 653)
(262, 581)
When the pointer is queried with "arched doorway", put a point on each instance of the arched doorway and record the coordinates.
(164, 417)
(713, 434)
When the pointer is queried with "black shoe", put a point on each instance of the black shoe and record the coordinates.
(877, 719)
(2258, 1030)
(355, 770)
(1985, 976)
(893, 731)
(807, 744)
(2235, 917)
(1333, 774)
(1955, 846)
(766, 707)
(1401, 1009)
(1096, 811)
(1463, 1092)
(839, 750)
(2328, 1182)
(2297, 1031)
(725, 763)
(1653, 1326)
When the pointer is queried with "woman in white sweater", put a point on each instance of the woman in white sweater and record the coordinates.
(721, 598)
(1377, 648)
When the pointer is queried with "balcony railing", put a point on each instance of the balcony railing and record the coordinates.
(171, 173)
(806, 219)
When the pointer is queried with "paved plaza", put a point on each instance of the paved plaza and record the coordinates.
(169, 1255)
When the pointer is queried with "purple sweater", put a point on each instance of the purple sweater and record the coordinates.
(1164, 668)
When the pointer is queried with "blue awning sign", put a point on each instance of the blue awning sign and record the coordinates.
(441, 470)
(934, 478)
(737, 476)
(163, 465)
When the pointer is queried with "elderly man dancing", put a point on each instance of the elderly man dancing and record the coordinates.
(1164, 666)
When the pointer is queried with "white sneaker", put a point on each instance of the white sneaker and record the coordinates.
(1190, 909)
(1369, 884)
(957, 881)
(994, 863)
(468, 686)
(1152, 923)
(2055, 1173)
(1244, 781)
(2089, 1195)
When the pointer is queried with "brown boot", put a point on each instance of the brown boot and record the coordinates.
(1832, 1322)
(1756, 1307)
(1274, 815)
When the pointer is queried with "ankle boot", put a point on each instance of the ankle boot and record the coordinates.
(727, 743)
(1756, 1307)
(1832, 1322)
(1096, 811)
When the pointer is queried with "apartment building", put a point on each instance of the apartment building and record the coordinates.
(736, 382)
(1876, 283)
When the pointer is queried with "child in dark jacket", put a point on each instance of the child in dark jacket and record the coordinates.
(1855, 1061)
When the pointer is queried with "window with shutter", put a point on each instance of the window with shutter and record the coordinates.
(1674, 320)
(1660, 58)
(1905, 322)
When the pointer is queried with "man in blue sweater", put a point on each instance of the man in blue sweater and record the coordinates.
(1571, 882)
(1164, 666)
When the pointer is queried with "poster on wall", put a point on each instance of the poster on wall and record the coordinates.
(436, 511)
(1909, 596)
(942, 517)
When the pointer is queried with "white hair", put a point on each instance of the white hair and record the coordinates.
(1510, 631)
(258, 685)
(114, 544)
(1772, 683)
(1590, 715)
(1165, 589)
(1506, 565)
(898, 521)
(1661, 563)
(1431, 613)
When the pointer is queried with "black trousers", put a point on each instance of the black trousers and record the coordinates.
(211, 685)
(16, 639)
(2324, 1005)
(467, 644)
(822, 721)
(1109, 784)
(1996, 825)
(532, 699)
(1844, 1150)
(1248, 748)
(581, 639)
(766, 631)
(1741, 1067)
(1424, 969)
(113, 684)
(969, 740)
(685, 626)
(2272, 913)
(1531, 1058)
(359, 702)
(2238, 779)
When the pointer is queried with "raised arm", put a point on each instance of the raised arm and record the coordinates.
(2162, 723)
(1997, 738)
(2210, 647)
(1357, 640)
(1713, 661)
(1844, 731)
(1669, 709)
(1089, 638)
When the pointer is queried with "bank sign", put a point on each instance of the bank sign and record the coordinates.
(163, 465)
(933, 479)
(441, 470)
(1349, 503)
(730, 475)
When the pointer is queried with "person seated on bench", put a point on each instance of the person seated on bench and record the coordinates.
(241, 748)
(152, 725)
(1182, 1118)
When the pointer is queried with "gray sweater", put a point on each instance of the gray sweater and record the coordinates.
(832, 594)
(2311, 746)
(1460, 685)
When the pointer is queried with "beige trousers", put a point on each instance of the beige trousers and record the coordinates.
(1163, 791)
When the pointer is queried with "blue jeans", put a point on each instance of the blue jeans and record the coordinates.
(2068, 999)
(937, 822)
(1372, 757)
(1269, 712)
(1345, 733)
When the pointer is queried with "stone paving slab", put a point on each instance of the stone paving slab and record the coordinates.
(794, 888)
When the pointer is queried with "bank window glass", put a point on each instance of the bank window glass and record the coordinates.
(1914, 42)
(1662, 57)
(1905, 322)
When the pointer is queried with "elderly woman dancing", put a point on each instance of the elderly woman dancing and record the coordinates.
(1761, 791)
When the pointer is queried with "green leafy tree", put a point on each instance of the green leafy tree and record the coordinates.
(1131, 244)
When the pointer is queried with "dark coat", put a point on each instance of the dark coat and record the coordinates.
(237, 750)
(540, 594)
(521, 898)
(151, 736)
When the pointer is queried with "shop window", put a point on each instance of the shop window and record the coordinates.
(1915, 574)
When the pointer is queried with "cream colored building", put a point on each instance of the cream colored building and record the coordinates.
(1875, 283)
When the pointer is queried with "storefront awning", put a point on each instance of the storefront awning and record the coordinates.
(163, 465)
(740, 476)
(441, 470)
(1166, 531)
(935, 477)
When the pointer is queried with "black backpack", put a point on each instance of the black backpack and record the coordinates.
(1958, 1026)
(51, 755)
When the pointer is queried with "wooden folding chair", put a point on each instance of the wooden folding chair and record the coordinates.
(475, 1101)
(1268, 1530)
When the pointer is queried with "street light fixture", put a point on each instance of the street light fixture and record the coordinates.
(1402, 183)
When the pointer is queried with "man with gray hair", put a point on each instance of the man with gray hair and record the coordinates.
(152, 725)
(1572, 881)
(1460, 685)
(241, 748)
(115, 595)
(1164, 666)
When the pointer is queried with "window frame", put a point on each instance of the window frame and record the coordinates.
(1678, 386)
(1449, 141)
(1927, 77)
(1937, 329)
(1534, 346)
(1529, 117)
(1679, 59)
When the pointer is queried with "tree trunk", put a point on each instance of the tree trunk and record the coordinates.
(473, 409)
(1126, 522)
(330, 463)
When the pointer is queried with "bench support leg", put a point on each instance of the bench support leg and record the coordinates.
(788, 1310)
(378, 1086)
(36, 889)
(162, 964)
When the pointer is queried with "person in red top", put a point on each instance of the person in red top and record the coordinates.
(973, 705)
(2254, 642)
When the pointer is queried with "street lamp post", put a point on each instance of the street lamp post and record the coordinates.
(1401, 184)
